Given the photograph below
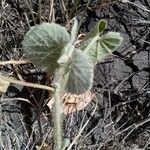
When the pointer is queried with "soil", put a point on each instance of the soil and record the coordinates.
(121, 82)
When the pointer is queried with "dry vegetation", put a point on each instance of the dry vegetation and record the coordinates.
(118, 116)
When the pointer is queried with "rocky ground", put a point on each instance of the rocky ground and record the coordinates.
(121, 83)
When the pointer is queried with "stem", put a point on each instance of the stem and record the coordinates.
(58, 109)
(95, 39)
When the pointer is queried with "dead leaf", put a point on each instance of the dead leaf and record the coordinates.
(73, 102)
(4, 84)
(80, 38)
(43, 147)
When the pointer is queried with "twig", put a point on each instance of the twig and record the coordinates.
(147, 144)
(146, 41)
(13, 99)
(65, 12)
(43, 142)
(139, 6)
(34, 85)
(127, 135)
(15, 62)
(117, 88)
(83, 14)
(16, 135)
(134, 126)
(51, 5)
(78, 135)
(31, 135)
(29, 5)
(39, 11)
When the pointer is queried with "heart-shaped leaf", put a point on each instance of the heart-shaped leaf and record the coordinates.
(111, 41)
(80, 76)
(102, 25)
(104, 46)
(98, 29)
(44, 44)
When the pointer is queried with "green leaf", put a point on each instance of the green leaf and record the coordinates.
(111, 41)
(80, 76)
(44, 44)
(102, 25)
(4, 84)
(97, 30)
(104, 46)
(66, 55)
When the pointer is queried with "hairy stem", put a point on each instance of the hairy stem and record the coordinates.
(58, 108)
(57, 112)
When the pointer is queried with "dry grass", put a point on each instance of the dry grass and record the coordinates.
(110, 122)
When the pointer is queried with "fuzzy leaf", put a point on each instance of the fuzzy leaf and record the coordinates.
(102, 25)
(111, 41)
(44, 44)
(104, 46)
(98, 29)
(80, 75)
